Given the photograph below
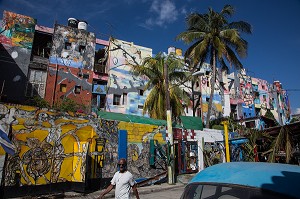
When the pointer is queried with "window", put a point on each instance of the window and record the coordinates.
(86, 76)
(81, 49)
(140, 106)
(141, 92)
(117, 99)
(124, 98)
(102, 101)
(63, 88)
(67, 45)
(77, 89)
(94, 100)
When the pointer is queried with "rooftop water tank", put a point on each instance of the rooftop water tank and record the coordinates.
(82, 25)
(171, 49)
(178, 52)
(72, 22)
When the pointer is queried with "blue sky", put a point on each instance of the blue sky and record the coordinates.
(274, 46)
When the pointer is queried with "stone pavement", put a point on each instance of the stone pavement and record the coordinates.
(141, 190)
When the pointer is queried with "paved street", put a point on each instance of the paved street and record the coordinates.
(174, 193)
(163, 191)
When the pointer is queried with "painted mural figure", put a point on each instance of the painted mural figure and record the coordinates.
(123, 181)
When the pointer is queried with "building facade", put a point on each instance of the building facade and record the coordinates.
(70, 62)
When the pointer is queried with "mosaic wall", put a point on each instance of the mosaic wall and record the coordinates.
(122, 82)
(56, 147)
(73, 47)
(16, 38)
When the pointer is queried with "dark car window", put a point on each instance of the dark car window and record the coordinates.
(221, 191)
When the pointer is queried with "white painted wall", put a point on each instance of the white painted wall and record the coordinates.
(207, 135)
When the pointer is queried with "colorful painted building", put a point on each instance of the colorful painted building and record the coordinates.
(16, 39)
(61, 151)
(126, 92)
(252, 97)
(57, 152)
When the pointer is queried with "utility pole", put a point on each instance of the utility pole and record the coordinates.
(171, 166)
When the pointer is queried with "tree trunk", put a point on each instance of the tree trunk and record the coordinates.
(212, 90)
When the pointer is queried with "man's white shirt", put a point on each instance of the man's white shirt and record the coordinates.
(123, 182)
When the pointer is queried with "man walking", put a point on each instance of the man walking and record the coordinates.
(123, 181)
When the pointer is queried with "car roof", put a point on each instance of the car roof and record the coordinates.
(281, 178)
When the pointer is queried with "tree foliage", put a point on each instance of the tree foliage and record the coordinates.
(153, 69)
(215, 40)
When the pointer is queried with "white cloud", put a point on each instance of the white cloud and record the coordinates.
(297, 111)
(165, 12)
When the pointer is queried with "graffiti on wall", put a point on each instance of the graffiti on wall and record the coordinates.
(138, 149)
(73, 47)
(213, 153)
(70, 78)
(217, 108)
(17, 30)
(50, 147)
(54, 147)
(246, 90)
(16, 39)
(125, 88)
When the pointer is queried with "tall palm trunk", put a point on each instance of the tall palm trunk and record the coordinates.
(212, 90)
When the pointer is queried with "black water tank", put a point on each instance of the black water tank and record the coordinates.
(72, 22)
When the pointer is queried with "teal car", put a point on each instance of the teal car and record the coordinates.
(245, 180)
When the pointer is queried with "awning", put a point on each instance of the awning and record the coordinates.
(130, 118)
(194, 123)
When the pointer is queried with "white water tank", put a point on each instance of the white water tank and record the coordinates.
(171, 49)
(82, 25)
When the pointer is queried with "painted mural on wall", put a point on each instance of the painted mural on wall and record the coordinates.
(50, 147)
(138, 149)
(73, 47)
(72, 79)
(17, 30)
(126, 92)
(217, 107)
(213, 153)
(246, 93)
(16, 39)
(54, 147)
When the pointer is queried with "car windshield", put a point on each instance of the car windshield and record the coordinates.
(227, 191)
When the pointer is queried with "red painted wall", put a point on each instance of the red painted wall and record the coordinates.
(71, 77)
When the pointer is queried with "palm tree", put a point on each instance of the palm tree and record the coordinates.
(215, 40)
(153, 69)
(282, 142)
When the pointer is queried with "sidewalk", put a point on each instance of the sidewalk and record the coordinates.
(141, 190)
